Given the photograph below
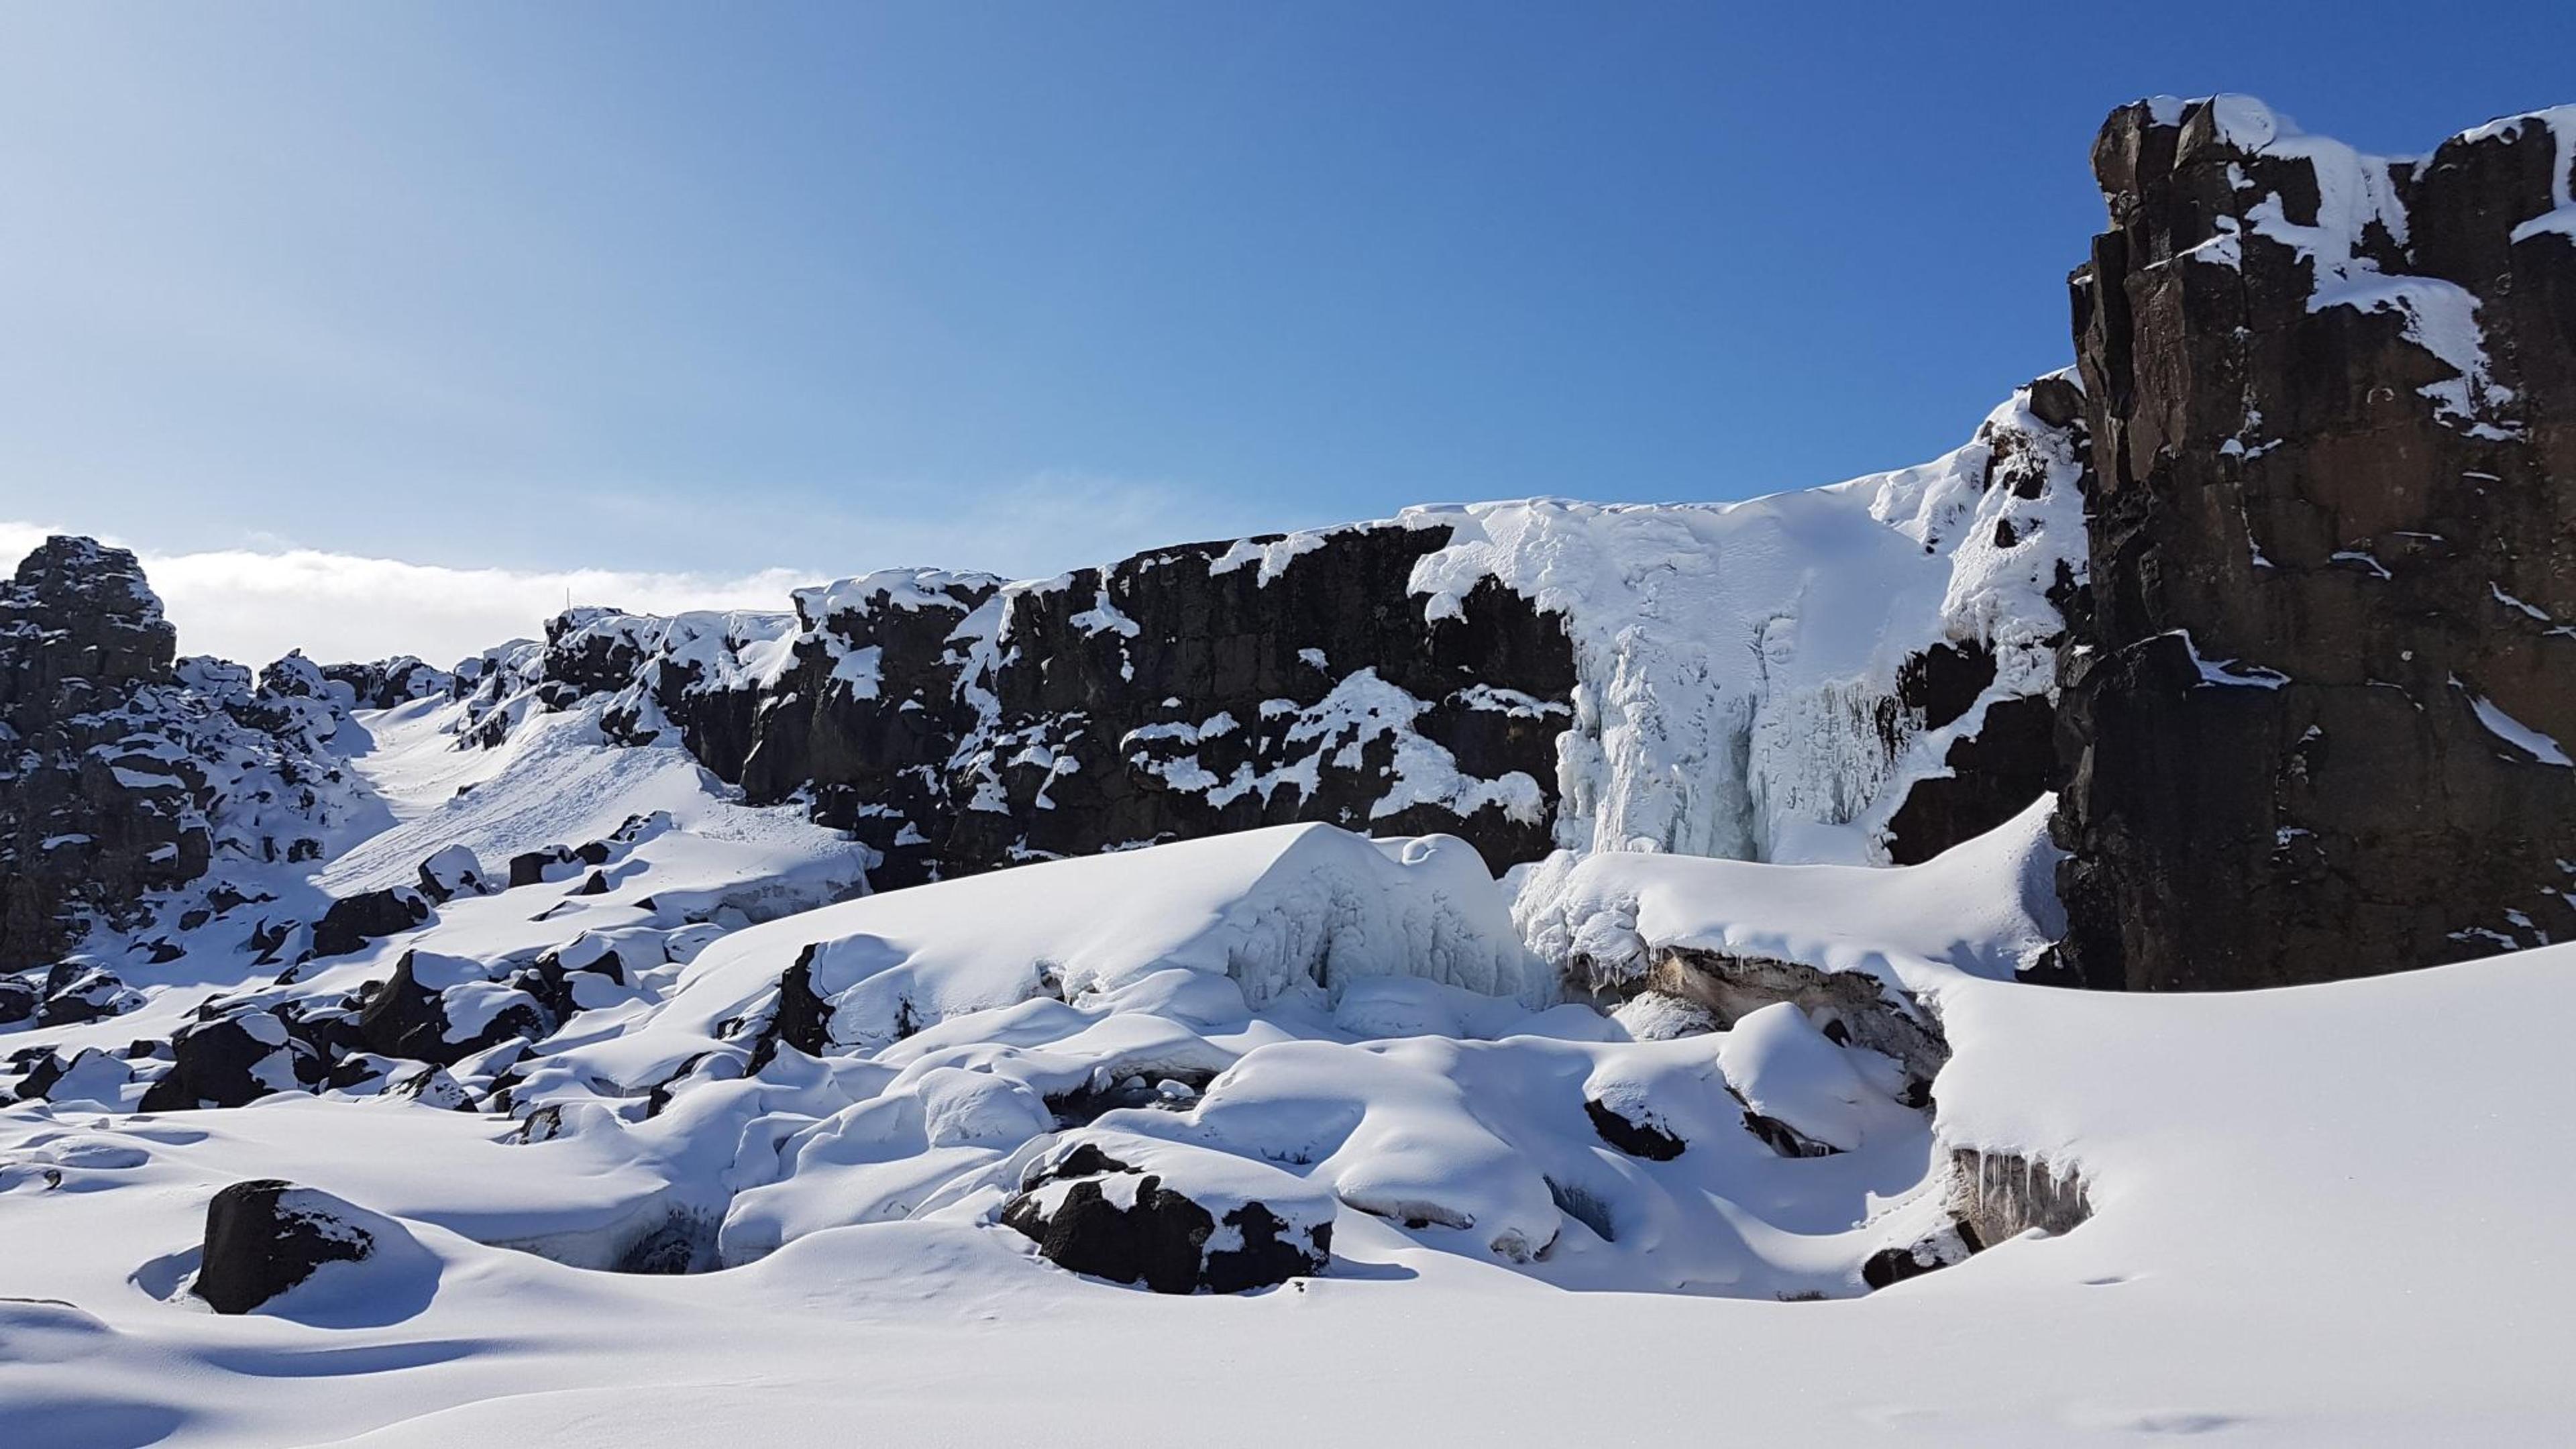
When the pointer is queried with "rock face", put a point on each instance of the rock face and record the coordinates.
(263, 1238)
(1525, 676)
(125, 773)
(956, 724)
(2320, 707)
(97, 814)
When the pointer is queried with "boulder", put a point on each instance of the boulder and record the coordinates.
(353, 921)
(443, 1009)
(1639, 1136)
(1177, 1219)
(87, 1075)
(75, 993)
(453, 872)
(265, 1238)
(231, 1061)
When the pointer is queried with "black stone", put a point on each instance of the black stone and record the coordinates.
(353, 921)
(257, 1246)
(1637, 1139)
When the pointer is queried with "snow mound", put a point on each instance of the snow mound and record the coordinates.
(1270, 910)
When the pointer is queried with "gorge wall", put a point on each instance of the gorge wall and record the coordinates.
(1857, 673)
(2277, 587)
(2318, 707)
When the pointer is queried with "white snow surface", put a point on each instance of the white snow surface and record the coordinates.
(2321, 1215)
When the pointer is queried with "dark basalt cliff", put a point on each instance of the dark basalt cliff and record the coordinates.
(97, 811)
(125, 772)
(2318, 710)
(957, 724)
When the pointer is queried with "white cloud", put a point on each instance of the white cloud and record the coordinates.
(255, 603)
(255, 606)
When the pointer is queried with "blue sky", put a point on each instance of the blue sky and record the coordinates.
(835, 286)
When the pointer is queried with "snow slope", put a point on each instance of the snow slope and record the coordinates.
(2320, 1215)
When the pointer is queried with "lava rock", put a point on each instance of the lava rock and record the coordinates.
(353, 921)
(232, 1061)
(1648, 1140)
(453, 872)
(1161, 1236)
(76, 993)
(263, 1238)
(2332, 571)
(1894, 1265)
(530, 867)
(87, 1075)
(411, 1016)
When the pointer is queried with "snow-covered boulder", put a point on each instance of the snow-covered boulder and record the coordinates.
(231, 1061)
(452, 872)
(267, 1238)
(1787, 1073)
(1177, 1219)
(353, 921)
(443, 1009)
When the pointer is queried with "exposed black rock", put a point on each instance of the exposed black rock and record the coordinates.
(96, 814)
(1649, 1140)
(389, 682)
(18, 1000)
(2333, 571)
(409, 1015)
(1276, 691)
(48, 1069)
(529, 867)
(353, 921)
(1896, 1264)
(803, 1019)
(1784, 1139)
(1159, 1089)
(231, 1061)
(265, 1237)
(1161, 1239)
(1993, 775)
(74, 992)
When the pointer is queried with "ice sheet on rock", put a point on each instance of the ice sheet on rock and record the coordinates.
(1736, 690)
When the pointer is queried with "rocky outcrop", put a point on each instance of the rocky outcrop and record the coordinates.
(231, 1061)
(127, 774)
(386, 683)
(956, 724)
(100, 807)
(443, 1009)
(1526, 676)
(2320, 707)
(351, 922)
(1994, 1197)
